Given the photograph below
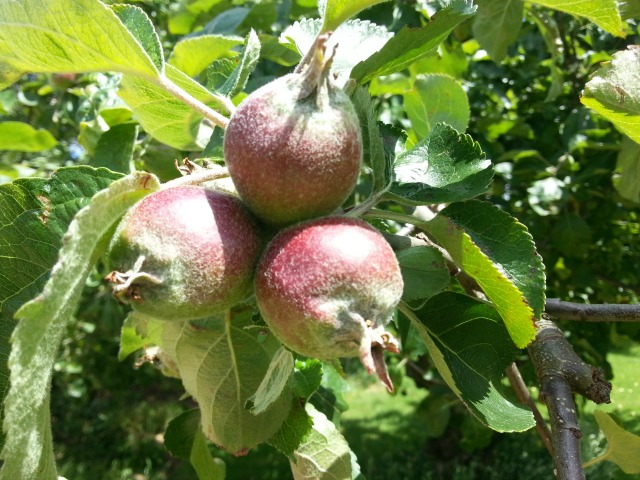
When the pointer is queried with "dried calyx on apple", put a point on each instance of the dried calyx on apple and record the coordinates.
(293, 147)
(328, 287)
(184, 253)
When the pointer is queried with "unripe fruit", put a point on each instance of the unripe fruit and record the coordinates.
(184, 253)
(327, 288)
(293, 147)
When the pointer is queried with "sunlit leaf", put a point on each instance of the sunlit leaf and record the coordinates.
(498, 252)
(603, 13)
(623, 446)
(324, 454)
(193, 54)
(436, 99)
(354, 41)
(335, 12)
(446, 166)
(274, 382)
(614, 92)
(66, 36)
(411, 44)
(164, 117)
(24, 138)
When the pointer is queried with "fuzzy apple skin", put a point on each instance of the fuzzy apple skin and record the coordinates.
(185, 253)
(327, 287)
(294, 155)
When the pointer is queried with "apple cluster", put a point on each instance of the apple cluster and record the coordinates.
(325, 284)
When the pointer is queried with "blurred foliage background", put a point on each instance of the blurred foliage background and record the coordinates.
(562, 170)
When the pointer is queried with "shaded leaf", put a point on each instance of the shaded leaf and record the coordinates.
(34, 215)
(614, 92)
(24, 138)
(444, 167)
(471, 349)
(497, 25)
(411, 44)
(115, 148)
(28, 452)
(627, 180)
(184, 439)
(424, 272)
(222, 364)
(498, 252)
(373, 148)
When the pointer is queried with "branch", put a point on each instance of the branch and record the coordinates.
(561, 372)
(517, 382)
(592, 313)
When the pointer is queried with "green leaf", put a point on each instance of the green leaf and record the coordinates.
(184, 439)
(623, 446)
(164, 117)
(411, 44)
(497, 25)
(444, 167)
(222, 364)
(354, 41)
(436, 99)
(236, 82)
(115, 148)
(24, 138)
(28, 452)
(329, 398)
(324, 454)
(471, 349)
(307, 377)
(627, 180)
(193, 54)
(295, 429)
(373, 148)
(141, 27)
(424, 272)
(603, 13)
(274, 382)
(614, 92)
(48, 36)
(571, 236)
(35, 215)
(498, 252)
(335, 12)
